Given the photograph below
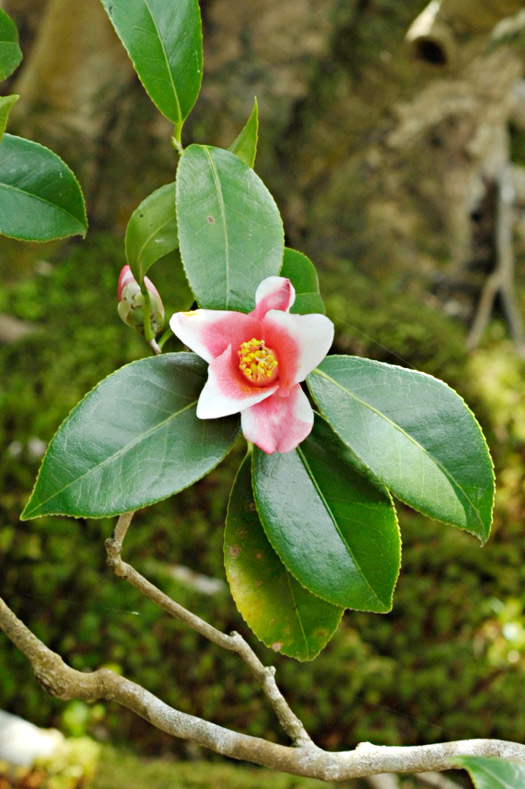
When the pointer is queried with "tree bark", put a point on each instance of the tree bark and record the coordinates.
(71, 83)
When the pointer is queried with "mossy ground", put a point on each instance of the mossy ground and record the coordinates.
(447, 663)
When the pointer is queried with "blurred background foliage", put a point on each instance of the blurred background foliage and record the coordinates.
(449, 661)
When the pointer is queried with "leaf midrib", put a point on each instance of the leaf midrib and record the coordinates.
(490, 774)
(336, 525)
(148, 239)
(295, 609)
(42, 200)
(115, 455)
(222, 207)
(403, 432)
(168, 65)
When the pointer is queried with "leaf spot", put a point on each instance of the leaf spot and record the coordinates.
(211, 220)
(234, 551)
(258, 554)
(277, 646)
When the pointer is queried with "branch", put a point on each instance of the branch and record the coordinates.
(62, 681)
(265, 675)
(501, 280)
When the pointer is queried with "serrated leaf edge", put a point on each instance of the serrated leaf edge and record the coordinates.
(282, 651)
(25, 516)
(316, 594)
(137, 270)
(180, 120)
(83, 225)
(319, 372)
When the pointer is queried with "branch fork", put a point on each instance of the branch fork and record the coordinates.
(302, 758)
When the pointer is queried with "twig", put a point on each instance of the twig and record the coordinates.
(62, 681)
(501, 280)
(265, 675)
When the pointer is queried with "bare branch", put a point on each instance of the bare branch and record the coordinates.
(265, 675)
(64, 682)
(203, 584)
(501, 280)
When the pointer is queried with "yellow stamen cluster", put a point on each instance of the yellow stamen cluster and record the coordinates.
(257, 362)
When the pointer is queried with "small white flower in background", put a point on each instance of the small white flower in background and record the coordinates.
(22, 742)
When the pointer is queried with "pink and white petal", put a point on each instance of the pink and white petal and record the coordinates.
(278, 424)
(125, 277)
(309, 336)
(210, 332)
(225, 392)
(273, 293)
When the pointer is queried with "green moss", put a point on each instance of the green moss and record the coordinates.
(437, 667)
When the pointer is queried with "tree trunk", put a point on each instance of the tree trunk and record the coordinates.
(71, 83)
(375, 157)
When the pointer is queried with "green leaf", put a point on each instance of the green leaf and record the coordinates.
(10, 52)
(414, 434)
(334, 531)
(164, 42)
(40, 198)
(281, 613)
(303, 275)
(230, 231)
(151, 233)
(493, 773)
(133, 440)
(245, 145)
(6, 103)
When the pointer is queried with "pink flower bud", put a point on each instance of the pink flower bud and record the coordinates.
(131, 302)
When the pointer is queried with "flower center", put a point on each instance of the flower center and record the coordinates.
(257, 362)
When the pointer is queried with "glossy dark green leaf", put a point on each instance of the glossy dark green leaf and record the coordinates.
(230, 231)
(133, 440)
(493, 773)
(6, 103)
(164, 42)
(151, 233)
(281, 612)
(40, 198)
(301, 271)
(414, 433)
(10, 52)
(245, 145)
(334, 531)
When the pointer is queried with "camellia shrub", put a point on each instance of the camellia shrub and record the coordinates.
(331, 440)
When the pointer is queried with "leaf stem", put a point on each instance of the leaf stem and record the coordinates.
(148, 330)
(165, 337)
(176, 143)
(157, 350)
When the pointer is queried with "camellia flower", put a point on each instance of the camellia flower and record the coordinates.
(131, 302)
(257, 362)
